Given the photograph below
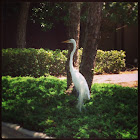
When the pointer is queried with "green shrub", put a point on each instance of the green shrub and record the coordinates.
(32, 62)
(39, 104)
(39, 62)
(16, 62)
(26, 98)
(109, 61)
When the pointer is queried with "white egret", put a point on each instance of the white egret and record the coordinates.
(78, 79)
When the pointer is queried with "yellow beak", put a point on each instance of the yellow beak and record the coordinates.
(67, 41)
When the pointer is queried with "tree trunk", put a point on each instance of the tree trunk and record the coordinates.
(92, 36)
(84, 9)
(21, 26)
(74, 32)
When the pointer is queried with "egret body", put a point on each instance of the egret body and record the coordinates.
(77, 78)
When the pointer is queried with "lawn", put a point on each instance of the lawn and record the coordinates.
(40, 104)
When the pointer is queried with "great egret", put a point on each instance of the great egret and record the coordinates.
(78, 79)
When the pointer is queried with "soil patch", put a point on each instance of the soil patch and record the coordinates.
(129, 84)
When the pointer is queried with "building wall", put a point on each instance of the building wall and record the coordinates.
(123, 39)
(131, 44)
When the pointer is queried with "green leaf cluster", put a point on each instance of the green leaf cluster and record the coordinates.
(40, 104)
(109, 61)
(121, 12)
(48, 14)
(32, 62)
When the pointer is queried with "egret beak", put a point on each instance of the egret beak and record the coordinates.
(67, 41)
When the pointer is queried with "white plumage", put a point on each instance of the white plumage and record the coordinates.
(77, 78)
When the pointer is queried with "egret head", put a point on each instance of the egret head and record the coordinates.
(69, 41)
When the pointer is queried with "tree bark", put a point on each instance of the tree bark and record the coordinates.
(74, 32)
(21, 26)
(84, 9)
(91, 40)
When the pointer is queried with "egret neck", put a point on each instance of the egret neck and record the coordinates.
(71, 56)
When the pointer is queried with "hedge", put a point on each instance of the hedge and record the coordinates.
(39, 62)
(110, 61)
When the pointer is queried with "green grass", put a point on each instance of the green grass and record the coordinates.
(39, 104)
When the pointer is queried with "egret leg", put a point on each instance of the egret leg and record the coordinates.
(84, 108)
(80, 103)
(75, 91)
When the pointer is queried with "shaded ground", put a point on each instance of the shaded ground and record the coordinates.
(15, 131)
(126, 78)
(8, 132)
(130, 84)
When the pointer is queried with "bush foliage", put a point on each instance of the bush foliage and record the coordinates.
(39, 104)
(110, 61)
(39, 62)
